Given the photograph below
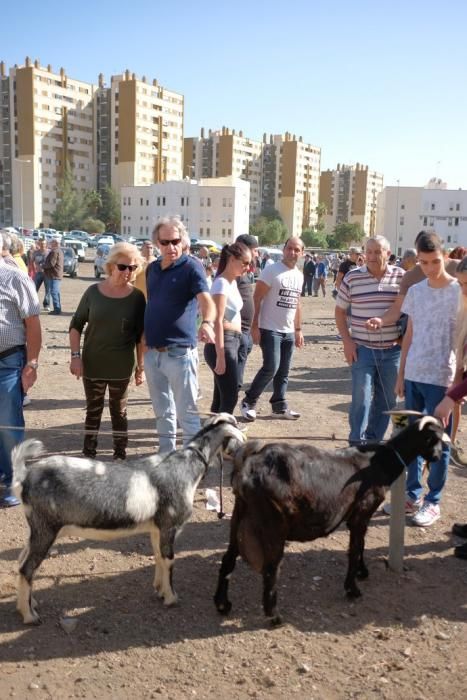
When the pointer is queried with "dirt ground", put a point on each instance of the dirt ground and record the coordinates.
(106, 635)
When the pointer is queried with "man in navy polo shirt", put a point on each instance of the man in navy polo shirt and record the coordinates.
(176, 285)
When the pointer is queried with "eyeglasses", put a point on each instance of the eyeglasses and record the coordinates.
(246, 263)
(174, 242)
(122, 267)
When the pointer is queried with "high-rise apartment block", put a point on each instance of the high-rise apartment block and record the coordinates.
(130, 133)
(283, 172)
(350, 194)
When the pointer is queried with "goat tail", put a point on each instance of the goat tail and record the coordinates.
(21, 454)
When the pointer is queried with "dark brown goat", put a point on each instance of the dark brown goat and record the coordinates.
(285, 493)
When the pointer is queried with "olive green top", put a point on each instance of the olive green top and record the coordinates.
(113, 328)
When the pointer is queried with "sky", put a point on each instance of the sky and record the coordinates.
(378, 83)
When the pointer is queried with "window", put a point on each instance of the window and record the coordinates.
(158, 201)
(456, 221)
(425, 220)
(201, 202)
(182, 201)
(141, 201)
(432, 206)
(208, 231)
(402, 206)
(124, 201)
(163, 201)
(201, 231)
(208, 202)
(458, 207)
(129, 201)
(401, 221)
(449, 221)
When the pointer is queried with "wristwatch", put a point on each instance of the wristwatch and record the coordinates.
(208, 323)
(33, 364)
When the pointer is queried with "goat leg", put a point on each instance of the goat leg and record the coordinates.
(270, 592)
(221, 600)
(32, 557)
(167, 539)
(356, 565)
(155, 541)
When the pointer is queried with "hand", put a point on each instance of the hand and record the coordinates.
(28, 377)
(220, 364)
(350, 351)
(76, 367)
(299, 339)
(255, 335)
(399, 389)
(374, 324)
(443, 410)
(139, 376)
(206, 333)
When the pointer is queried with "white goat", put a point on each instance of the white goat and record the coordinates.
(73, 496)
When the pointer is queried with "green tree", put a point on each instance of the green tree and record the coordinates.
(269, 232)
(70, 209)
(345, 234)
(93, 202)
(313, 238)
(91, 225)
(110, 212)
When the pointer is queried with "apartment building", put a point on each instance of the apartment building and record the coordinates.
(214, 208)
(404, 211)
(350, 194)
(47, 120)
(130, 133)
(283, 171)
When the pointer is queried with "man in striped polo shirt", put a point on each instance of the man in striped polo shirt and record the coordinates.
(369, 291)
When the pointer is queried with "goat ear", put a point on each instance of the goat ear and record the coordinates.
(429, 420)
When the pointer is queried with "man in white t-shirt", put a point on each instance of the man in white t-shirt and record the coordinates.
(277, 329)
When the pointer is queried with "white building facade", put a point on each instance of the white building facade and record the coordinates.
(404, 211)
(215, 208)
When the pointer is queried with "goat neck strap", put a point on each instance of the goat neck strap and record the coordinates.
(399, 457)
(200, 455)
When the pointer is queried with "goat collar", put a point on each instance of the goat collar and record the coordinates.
(398, 456)
(200, 455)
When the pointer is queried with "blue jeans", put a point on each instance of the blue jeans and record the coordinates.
(173, 387)
(374, 376)
(277, 349)
(245, 347)
(40, 278)
(52, 289)
(11, 409)
(425, 397)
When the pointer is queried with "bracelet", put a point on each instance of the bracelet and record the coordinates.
(208, 323)
(298, 330)
(75, 354)
(139, 369)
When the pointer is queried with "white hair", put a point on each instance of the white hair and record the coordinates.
(380, 240)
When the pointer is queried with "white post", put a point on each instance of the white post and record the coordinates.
(397, 524)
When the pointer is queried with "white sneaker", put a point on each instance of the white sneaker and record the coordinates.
(247, 411)
(411, 507)
(26, 400)
(288, 414)
(428, 514)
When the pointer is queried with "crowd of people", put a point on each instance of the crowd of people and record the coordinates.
(403, 329)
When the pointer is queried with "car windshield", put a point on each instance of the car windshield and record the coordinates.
(68, 253)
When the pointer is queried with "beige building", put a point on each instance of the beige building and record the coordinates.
(350, 194)
(130, 133)
(283, 171)
(214, 208)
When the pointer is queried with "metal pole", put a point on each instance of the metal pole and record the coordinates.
(397, 219)
(21, 191)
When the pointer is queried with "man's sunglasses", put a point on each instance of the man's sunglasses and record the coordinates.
(174, 242)
(122, 267)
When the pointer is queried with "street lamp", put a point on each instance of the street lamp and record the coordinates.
(20, 160)
(397, 218)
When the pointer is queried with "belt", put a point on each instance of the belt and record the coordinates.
(161, 349)
(166, 348)
(11, 351)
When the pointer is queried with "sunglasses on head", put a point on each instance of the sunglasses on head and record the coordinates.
(174, 242)
(122, 267)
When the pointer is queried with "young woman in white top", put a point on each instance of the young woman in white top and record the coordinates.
(222, 357)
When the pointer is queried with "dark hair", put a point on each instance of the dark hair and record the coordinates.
(428, 242)
(248, 240)
(457, 253)
(236, 250)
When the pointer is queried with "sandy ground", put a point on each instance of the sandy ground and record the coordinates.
(106, 635)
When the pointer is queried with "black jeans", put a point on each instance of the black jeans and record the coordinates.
(225, 393)
(307, 285)
(118, 397)
(244, 349)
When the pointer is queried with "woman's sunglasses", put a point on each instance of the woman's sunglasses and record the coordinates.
(122, 267)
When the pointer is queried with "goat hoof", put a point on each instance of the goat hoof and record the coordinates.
(32, 619)
(353, 593)
(362, 574)
(223, 607)
(170, 600)
(276, 621)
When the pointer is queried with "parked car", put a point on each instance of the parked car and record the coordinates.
(70, 262)
(105, 239)
(79, 236)
(102, 254)
(77, 246)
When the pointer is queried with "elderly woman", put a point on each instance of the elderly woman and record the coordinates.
(113, 313)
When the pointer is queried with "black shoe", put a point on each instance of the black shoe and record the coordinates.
(119, 456)
(461, 551)
(459, 530)
(55, 313)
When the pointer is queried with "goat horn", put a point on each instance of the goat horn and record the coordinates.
(403, 412)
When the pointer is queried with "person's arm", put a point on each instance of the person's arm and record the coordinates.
(406, 343)
(220, 302)
(389, 318)
(261, 289)
(33, 330)
(350, 348)
(208, 313)
(339, 278)
(299, 340)
(76, 366)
